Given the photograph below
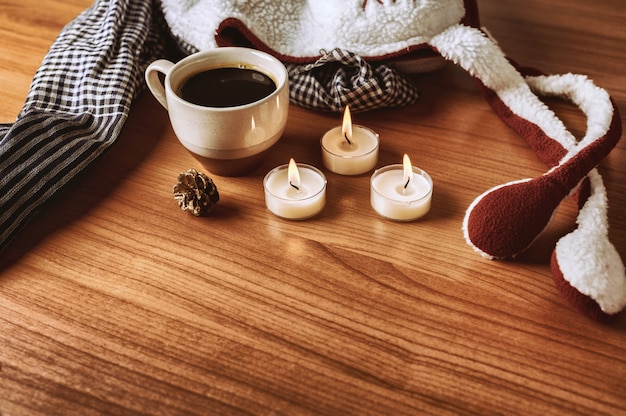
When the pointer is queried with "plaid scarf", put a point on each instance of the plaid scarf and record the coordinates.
(82, 93)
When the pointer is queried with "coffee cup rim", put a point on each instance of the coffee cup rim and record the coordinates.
(281, 79)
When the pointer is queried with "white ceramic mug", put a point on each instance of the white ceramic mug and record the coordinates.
(233, 140)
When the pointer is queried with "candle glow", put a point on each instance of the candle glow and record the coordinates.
(407, 168)
(295, 191)
(294, 175)
(346, 126)
(349, 149)
(401, 192)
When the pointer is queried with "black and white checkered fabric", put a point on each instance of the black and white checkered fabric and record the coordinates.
(77, 103)
(340, 78)
(82, 94)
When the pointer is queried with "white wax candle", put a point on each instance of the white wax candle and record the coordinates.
(296, 199)
(392, 200)
(350, 158)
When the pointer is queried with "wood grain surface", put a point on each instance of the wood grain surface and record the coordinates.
(113, 301)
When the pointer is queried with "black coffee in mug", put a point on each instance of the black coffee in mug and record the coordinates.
(226, 87)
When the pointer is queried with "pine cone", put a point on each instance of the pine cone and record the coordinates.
(195, 192)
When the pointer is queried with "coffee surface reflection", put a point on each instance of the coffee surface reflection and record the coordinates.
(226, 87)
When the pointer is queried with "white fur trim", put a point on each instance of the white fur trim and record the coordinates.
(482, 58)
(593, 101)
(302, 28)
(586, 257)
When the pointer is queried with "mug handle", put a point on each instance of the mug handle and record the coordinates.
(154, 83)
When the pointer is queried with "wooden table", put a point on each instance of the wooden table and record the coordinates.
(113, 301)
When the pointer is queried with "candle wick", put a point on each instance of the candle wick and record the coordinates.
(347, 139)
(296, 187)
(407, 182)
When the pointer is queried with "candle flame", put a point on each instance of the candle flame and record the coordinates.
(294, 175)
(407, 169)
(346, 127)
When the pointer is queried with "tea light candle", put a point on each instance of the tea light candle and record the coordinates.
(401, 192)
(348, 149)
(295, 191)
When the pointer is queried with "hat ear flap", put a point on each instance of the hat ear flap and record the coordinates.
(586, 267)
(505, 220)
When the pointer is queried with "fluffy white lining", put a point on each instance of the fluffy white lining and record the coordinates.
(482, 58)
(302, 28)
(593, 101)
(586, 257)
